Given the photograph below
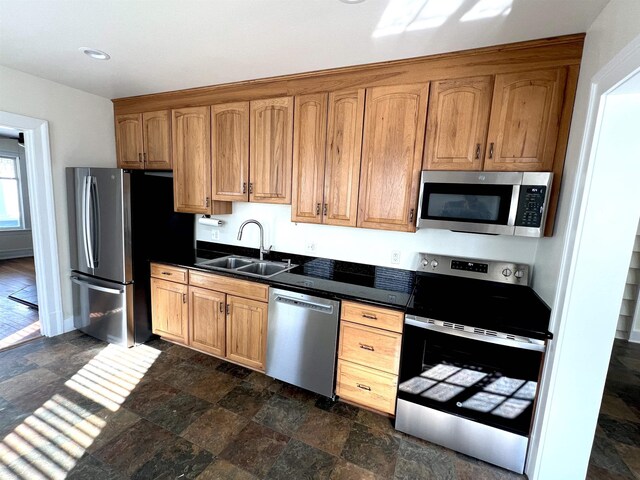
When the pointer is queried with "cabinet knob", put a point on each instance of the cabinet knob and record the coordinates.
(491, 150)
(244, 187)
(325, 209)
(411, 215)
(478, 151)
(317, 209)
(206, 202)
(250, 187)
(140, 157)
(221, 307)
(144, 157)
(184, 298)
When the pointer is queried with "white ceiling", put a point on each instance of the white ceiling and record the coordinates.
(163, 45)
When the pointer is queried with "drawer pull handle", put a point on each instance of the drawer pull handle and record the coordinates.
(184, 298)
(369, 316)
(366, 347)
(364, 387)
(166, 273)
(221, 307)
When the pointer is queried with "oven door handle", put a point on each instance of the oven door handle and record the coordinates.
(458, 330)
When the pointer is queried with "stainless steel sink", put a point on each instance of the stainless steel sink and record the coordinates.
(264, 269)
(246, 266)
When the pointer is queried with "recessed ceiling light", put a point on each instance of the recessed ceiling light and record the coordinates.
(352, 1)
(95, 53)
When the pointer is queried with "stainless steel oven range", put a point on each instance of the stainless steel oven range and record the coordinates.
(473, 348)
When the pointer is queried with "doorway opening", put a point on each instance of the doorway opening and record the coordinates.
(44, 271)
(19, 319)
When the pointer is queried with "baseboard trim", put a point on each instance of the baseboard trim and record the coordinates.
(20, 253)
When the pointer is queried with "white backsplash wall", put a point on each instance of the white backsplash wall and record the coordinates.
(374, 247)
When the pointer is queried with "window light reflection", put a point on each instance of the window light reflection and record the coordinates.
(49, 443)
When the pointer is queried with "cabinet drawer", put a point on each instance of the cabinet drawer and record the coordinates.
(241, 288)
(371, 347)
(372, 316)
(367, 387)
(167, 272)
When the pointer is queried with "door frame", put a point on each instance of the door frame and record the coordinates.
(563, 376)
(43, 219)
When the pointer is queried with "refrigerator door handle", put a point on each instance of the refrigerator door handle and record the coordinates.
(114, 291)
(85, 221)
(94, 222)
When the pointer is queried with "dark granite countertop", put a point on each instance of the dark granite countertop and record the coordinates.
(384, 286)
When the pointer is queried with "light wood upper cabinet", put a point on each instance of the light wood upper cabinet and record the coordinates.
(129, 141)
(457, 123)
(207, 320)
(394, 128)
(525, 116)
(191, 139)
(344, 146)
(247, 332)
(230, 151)
(271, 150)
(310, 135)
(169, 310)
(143, 140)
(156, 140)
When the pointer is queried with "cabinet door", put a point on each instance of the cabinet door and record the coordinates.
(207, 320)
(191, 159)
(271, 150)
(246, 331)
(525, 114)
(156, 139)
(169, 310)
(309, 140)
(457, 123)
(392, 156)
(344, 146)
(230, 151)
(129, 141)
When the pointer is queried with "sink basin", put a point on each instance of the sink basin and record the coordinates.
(228, 263)
(246, 266)
(264, 269)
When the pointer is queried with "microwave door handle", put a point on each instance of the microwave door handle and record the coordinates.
(513, 208)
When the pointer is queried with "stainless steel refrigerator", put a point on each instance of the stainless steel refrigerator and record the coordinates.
(118, 221)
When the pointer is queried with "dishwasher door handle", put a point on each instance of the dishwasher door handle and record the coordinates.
(294, 302)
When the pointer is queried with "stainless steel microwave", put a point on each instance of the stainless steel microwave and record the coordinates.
(499, 203)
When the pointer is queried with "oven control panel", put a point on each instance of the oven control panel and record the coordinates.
(492, 270)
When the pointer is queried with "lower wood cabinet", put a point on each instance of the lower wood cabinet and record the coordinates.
(369, 356)
(170, 310)
(217, 322)
(247, 332)
(207, 320)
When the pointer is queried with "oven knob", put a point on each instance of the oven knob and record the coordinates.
(519, 274)
(506, 272)
(434, 263)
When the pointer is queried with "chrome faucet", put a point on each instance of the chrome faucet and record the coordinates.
(262, 249)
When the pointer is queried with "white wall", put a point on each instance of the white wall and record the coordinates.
(81, 134)
(360, 245)
(582, 283)
(17, 243)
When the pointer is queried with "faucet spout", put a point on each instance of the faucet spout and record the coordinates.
(262, 249)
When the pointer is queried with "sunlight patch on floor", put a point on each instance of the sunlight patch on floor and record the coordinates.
(49, 442)
(20, 335)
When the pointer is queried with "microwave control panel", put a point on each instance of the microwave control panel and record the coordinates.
(531, 205)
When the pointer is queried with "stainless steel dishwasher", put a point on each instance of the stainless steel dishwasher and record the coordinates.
(302, 340)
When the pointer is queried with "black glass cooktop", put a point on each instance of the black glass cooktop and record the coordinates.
(512, 309)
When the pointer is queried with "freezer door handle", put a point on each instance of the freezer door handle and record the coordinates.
(86, 241)
(114, 291)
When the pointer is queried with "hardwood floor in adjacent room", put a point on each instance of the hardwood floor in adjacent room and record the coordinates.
(18, 322)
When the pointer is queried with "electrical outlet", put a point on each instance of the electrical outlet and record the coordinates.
(215, 234)
(310, 246)
(395, 257)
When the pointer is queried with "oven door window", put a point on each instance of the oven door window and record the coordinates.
(466, 203)
(488, 383)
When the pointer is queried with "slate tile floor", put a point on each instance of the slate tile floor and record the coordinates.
(73, 407)
(616, 447)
